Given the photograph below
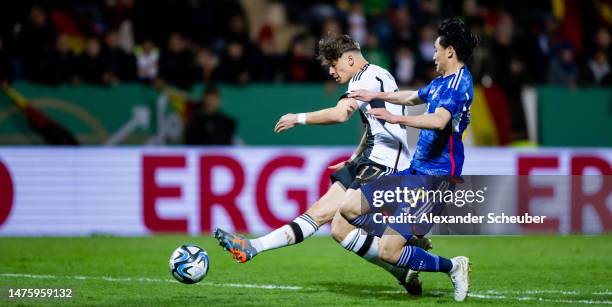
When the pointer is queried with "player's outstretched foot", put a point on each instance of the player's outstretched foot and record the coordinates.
(239, 246)
(411, 283)
(459, 277)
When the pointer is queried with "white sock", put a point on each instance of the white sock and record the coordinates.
(278, 238)
(357, 241)
(295, 232)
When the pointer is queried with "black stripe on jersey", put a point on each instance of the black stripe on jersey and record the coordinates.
(379, 103)
(399, 151)
(369, 143)
(358, 75)
(382, 88)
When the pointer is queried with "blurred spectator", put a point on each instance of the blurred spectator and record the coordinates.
(63, 61)
(357, 24)
(547, 41)
(504, 49)
(598, 70)
(427, 39)
(176, 63)
(513, 86)
(119, 64)
(208, 125)
(237, 30)
(147, 58)
(301, 63)
(90, 66)
(564, 70)
(331, 27)
(34, 40)
(404, 65)
(401, 23)
(43, 39)
(270, 63)
(374, 54)
(603, 41)
(424, 57)
(428, 12)
(206, 65)
(235, 64)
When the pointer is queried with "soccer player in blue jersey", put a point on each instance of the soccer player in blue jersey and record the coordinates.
(439, 149)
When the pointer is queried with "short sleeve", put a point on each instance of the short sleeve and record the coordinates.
(424, 92)
(453, 100)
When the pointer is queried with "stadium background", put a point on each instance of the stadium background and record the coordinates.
(125, 79)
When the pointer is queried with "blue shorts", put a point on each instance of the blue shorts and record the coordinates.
(414, 201)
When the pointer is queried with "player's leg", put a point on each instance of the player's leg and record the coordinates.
(304, 226)
(354, 207)
(393, 250)
(365, 244)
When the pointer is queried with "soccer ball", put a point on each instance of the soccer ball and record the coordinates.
(189, 264)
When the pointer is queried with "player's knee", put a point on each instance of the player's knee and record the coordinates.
(349, 211)
(339, 228)
(386, 252)
(321, 213)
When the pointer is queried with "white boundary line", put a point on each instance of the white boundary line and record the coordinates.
(156, 280)
(485, 294)
(538, 299)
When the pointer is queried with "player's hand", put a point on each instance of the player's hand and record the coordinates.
(382, 113)
(362, 95)
(339, 165)
(286, 122)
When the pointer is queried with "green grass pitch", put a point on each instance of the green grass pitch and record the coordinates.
(506, 271)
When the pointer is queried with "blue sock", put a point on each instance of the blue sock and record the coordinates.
(367, 223)
(418, 259)
(359, 221)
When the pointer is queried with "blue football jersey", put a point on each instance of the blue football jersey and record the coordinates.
(440, 152)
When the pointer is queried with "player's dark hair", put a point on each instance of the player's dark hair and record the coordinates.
(452, 32)
(332, 47)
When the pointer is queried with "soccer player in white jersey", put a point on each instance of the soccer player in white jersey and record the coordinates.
(383, 150)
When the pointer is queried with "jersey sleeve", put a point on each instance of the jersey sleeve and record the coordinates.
(423, 92)
(453, 100)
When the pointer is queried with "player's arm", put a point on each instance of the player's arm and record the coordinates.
(338, 114)
(437, 120)
(407, 98)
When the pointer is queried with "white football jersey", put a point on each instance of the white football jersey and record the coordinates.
(386, 144)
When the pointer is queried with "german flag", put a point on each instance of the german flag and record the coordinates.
(490, 121)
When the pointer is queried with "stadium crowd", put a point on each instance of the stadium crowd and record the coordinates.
(564, 42)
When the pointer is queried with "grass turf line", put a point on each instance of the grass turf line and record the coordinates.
(508, 271)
